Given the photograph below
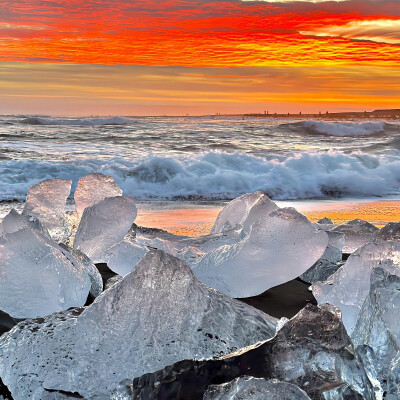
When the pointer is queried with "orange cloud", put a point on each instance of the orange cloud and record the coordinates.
(194, 33)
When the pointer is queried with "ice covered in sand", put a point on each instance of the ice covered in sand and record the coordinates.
(92, 189)
(349, 287)
(37, 278)
(357, 233)
(103, 225)
(249, 388)
(235, 213)
(46, 201)
(279, 247)
(157, 315)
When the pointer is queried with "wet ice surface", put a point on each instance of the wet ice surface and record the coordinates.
(311, 351)
(357, 233)
(236, 212)
(249, 388)
(348, 288)
(157, 315)
(155, 312)
(37, 278)
(278, 248)
(330, 261)
(103, 225)
(46, 201)
(92, 189)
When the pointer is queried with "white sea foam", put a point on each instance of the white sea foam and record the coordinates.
(341, 128)
(222, 175)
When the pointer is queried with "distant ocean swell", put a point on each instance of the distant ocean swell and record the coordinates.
(307, 127)
(220, 175)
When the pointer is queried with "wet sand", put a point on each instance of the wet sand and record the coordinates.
(194, 218)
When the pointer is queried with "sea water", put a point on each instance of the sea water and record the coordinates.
(169, 158)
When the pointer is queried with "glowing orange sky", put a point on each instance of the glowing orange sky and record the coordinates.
(302, 41)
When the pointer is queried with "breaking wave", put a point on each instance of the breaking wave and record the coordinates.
(216, 175)
(342, 128)
(77, 122)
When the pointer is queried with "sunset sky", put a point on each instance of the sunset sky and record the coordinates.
(155, 57)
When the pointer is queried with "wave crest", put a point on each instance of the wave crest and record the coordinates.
(219, 175)
(342, 128)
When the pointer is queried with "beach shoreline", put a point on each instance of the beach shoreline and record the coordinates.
(196, 218)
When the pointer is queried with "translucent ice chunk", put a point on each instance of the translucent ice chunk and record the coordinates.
(330, 261)
(378, 326)
(36, 278)
(156, 315)
(46, 201)
(390, 232)
(14, 222)
(348, 288)
(249, 388)
(311, 351)
(357, 234)
(238, 210)
(96, 280)
(103, 225)
(123, 257)
(279, 248)
(94, 188)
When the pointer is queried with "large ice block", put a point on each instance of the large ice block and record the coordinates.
(156, 315)
(348, 288)
(311, 351)
(46, 201)
(357, 233)
(279, 248)
(36, 278)
(94, 188)
(235, 213)
(249, 388)
(103, 225)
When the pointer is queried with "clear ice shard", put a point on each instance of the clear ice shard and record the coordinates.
(377, 331)
(235, 213)
(278, 248)
(330, 261)
(37, 278)
(92, 189)
(123, 257)
(46, 201)
(312, 351)
(156, 315)
(357, 233)
(348, 288)
(249, 388)
(103, 225)
(96, 280)
(14, 222)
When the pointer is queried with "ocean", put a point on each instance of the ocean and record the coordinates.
(204, 158)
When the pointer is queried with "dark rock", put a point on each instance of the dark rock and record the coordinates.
(284, 300)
